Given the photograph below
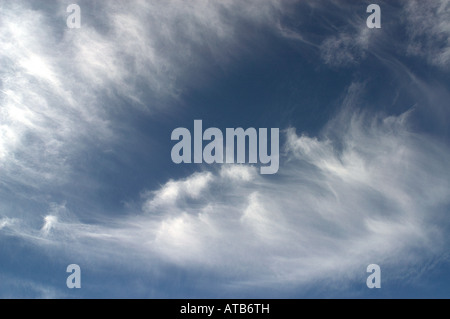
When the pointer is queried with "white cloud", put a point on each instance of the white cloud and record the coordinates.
(59, 86)
(345, 48)
(49, 222)
(45, 112)
(350, 41)
(369, 194)
(149, 49)
(238, 173)
(173, 191)
(5, 222)
(428, 26)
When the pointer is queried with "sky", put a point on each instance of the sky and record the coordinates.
(87, 178)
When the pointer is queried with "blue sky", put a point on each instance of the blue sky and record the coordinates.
(86, 175)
